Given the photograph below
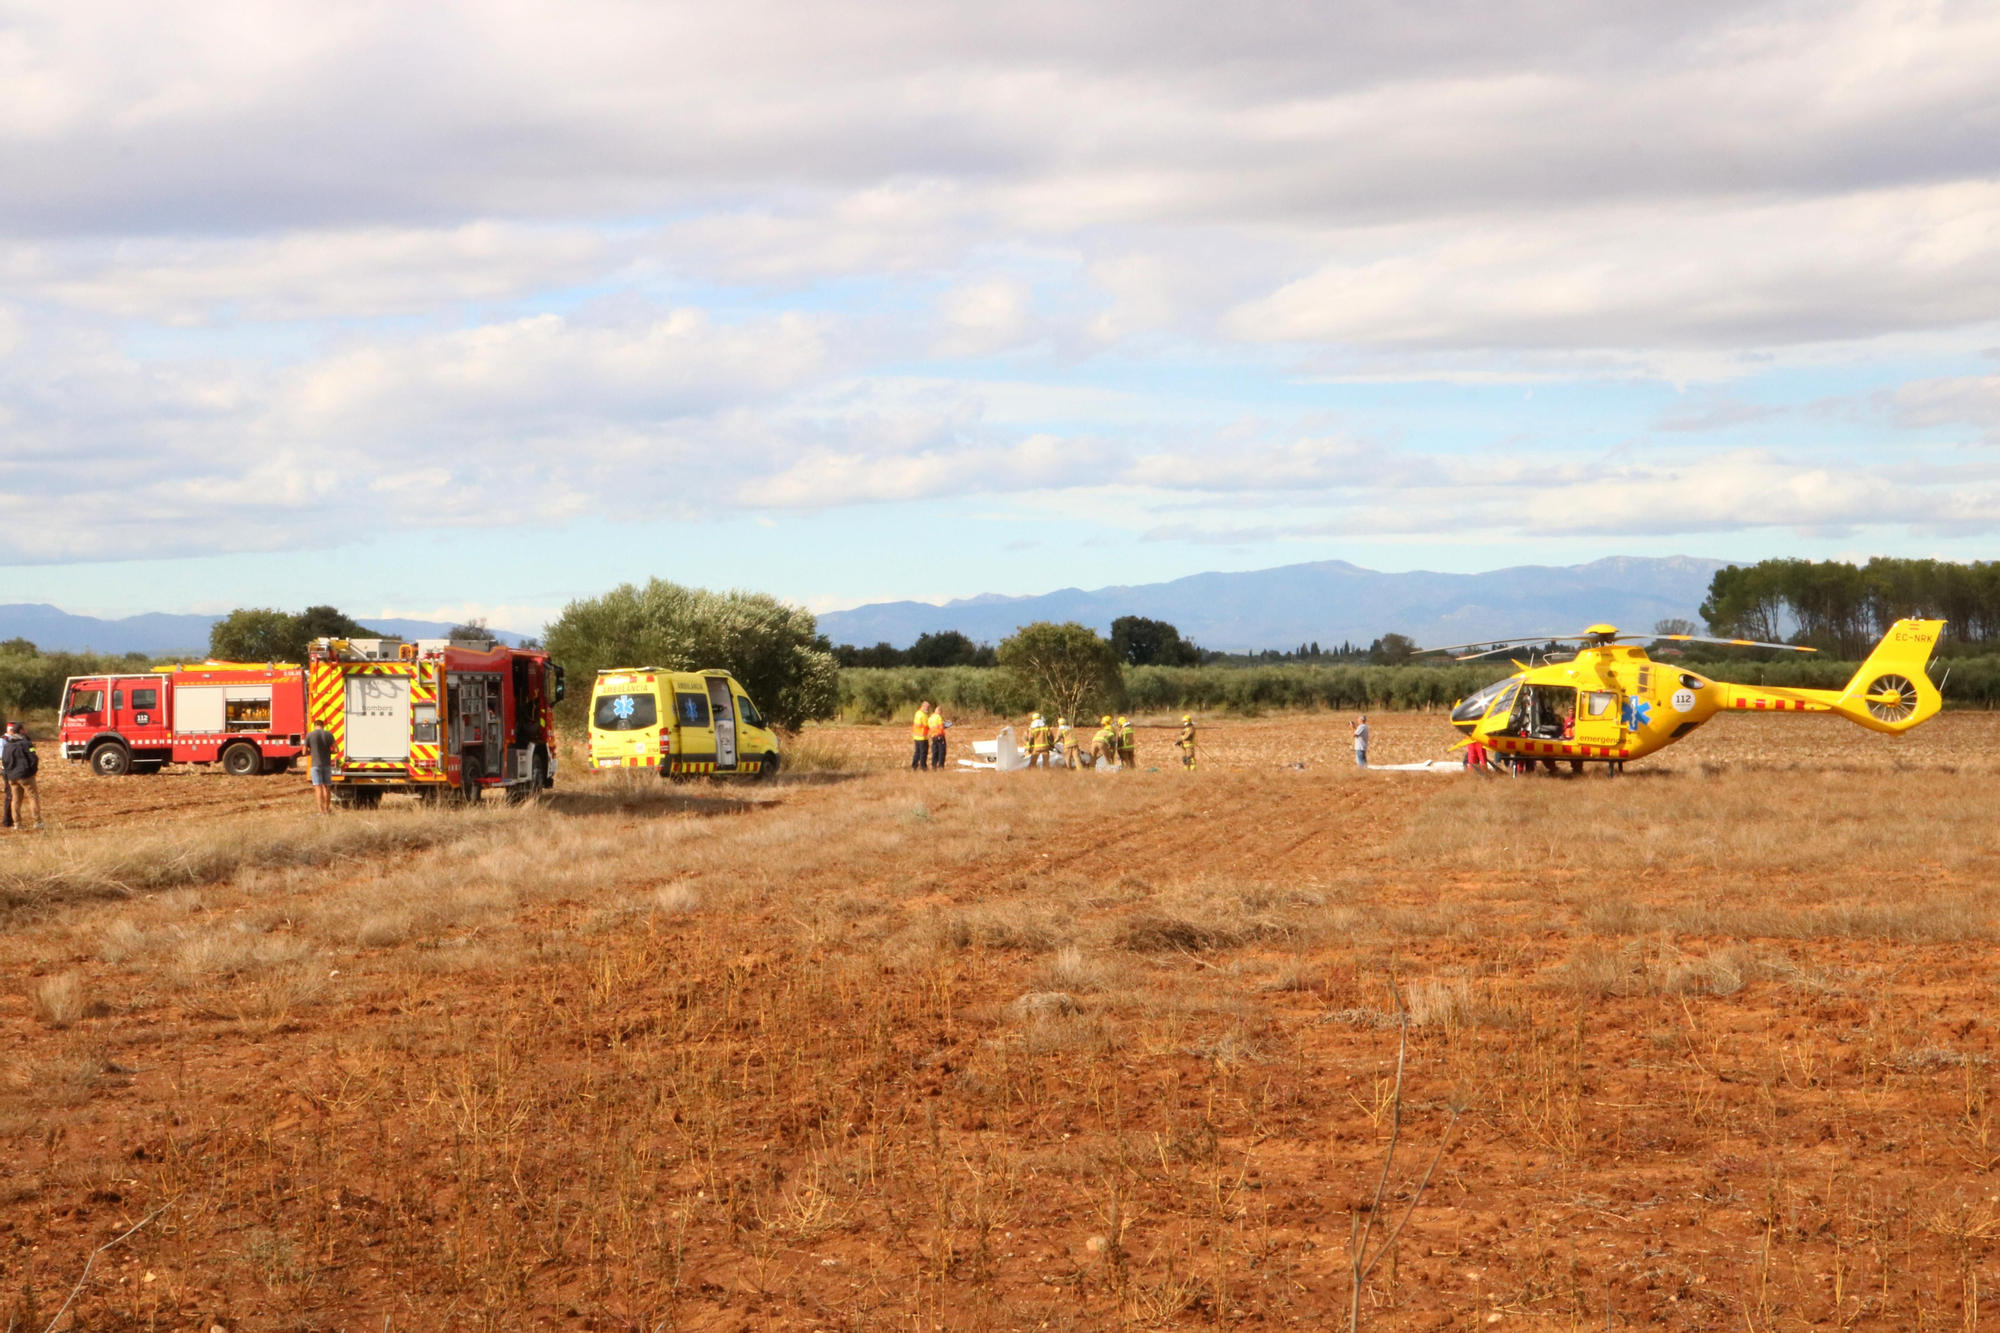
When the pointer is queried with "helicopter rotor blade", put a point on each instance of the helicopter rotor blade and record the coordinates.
(1495, 645)
(1733, 643)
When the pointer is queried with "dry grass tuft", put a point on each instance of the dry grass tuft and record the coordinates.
(1151, 933)
(1071, 971)
(229, 953)
(59, 1000)
(1045, 1004)
(677, 899)
(273, 997)
(1721, 973)
(1595, 972)
(1441, 1004)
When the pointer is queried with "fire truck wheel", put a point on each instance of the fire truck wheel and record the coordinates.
(242, 761)
(111, 760)
(470, 771)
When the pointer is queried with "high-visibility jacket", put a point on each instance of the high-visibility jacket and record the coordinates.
(1065, 736)
(1106, 739)
(1186, 742)
(1125, 737)
(920, 726)
(937, 724)
(1038, 737)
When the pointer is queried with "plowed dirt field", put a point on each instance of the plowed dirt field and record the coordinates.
(1710, 1045)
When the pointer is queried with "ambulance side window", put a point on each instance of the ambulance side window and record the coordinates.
(691, 709)
(748, 711)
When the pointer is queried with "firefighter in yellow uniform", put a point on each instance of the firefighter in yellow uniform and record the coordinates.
(1104, 745)
(1128, 751)
(1039, 742)
(1186, 743)
(937, 726)
(920, 736)
(1065, 743)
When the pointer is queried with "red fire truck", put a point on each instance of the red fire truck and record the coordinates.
(434, 717)
(250, 718)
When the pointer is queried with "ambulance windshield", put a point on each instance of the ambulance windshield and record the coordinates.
(625, 712)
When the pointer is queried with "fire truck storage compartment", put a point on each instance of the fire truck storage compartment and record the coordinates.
(378, 717)
(213, 710)
(473, 699)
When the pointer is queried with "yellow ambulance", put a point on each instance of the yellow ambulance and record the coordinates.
(679, 722)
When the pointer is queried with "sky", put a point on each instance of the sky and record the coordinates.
(470, 310)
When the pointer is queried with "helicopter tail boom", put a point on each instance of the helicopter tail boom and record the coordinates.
(1892, 691)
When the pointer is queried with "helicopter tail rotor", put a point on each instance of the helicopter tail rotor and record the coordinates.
(1892, 691)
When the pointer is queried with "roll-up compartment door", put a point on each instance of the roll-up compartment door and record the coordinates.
(198, 710)
(378, 717)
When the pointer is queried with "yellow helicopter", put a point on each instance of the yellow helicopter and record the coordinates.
(1610, 702)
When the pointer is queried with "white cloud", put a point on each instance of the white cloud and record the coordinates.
(273, 276)
(184, 280)
(1964, 399)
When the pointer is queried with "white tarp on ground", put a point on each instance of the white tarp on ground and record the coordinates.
(1000, 755)
(1428, 766)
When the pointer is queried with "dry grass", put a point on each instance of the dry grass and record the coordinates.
(66, 868)
(59, 1000)
(896, 1051)
(820, 750)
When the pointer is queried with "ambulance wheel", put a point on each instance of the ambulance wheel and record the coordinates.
(111, 761)
(769, 768)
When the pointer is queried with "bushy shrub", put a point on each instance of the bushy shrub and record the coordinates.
(773, 649)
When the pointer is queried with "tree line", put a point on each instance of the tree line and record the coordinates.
(1844, 608)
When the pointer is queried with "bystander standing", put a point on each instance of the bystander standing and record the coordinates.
(18, 765)
(319, 767)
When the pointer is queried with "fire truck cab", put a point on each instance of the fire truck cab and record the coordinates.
(248, 717)
(438, 717)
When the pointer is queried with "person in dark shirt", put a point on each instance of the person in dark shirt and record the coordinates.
(17, 769)
(319, 762)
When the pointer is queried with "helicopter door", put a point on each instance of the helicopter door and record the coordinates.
(1600, 718)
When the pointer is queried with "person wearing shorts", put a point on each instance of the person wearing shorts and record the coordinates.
(319, 764)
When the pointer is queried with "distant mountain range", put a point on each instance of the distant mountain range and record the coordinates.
(60, 632)
(1328, 602)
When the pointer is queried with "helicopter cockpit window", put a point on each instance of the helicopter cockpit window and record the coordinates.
(1475, 706)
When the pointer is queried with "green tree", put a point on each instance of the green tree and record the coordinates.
(774, 650)
(1392, 650)
(946, 648)
(1063, 666)
(1138, 641)
(328, 622)
(262, 634)
(255, 634)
